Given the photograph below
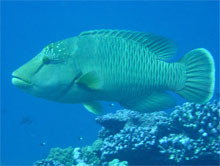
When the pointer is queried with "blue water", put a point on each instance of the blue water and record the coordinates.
(26, 27)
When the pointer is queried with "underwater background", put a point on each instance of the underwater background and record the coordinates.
(31, 126)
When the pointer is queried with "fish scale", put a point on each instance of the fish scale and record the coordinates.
(125, 62)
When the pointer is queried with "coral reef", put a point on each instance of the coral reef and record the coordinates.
(159, 122)
(187, 136)
(195, 133)
(116, 162)
(202, 119)
(136, 140)
(63, 156)
(128, 142)
(46, 162)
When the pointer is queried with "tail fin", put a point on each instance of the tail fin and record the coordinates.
(200, 76)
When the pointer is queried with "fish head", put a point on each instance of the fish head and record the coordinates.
(51, 73)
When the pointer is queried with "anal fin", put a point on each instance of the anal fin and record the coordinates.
(155, 102)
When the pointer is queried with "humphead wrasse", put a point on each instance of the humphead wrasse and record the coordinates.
(128, 67)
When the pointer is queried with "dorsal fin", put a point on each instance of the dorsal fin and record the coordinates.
(159, 46)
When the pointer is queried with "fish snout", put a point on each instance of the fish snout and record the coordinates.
(20, 81)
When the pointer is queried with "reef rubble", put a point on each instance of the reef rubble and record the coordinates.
(187, 136)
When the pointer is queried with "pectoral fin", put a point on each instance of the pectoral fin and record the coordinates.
(155, 102)
(93, 107)
(90, 80)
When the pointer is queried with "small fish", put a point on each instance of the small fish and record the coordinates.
(42, 143)
(26, 120)
(111, 105)
(80, 138)
(127, 67)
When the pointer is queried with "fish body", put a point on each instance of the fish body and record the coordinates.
(128, 67)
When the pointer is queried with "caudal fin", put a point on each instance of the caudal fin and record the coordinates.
(200, 76)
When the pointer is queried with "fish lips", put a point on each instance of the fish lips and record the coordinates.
(20, 82)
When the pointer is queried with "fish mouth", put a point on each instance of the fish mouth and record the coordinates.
(20, 82)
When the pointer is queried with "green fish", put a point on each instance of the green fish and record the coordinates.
(131, 68)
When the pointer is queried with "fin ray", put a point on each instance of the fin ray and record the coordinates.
(93, 107)
(161, 47)
(90, 80)
(200, 76)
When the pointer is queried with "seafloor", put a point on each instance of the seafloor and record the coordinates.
(187, 136)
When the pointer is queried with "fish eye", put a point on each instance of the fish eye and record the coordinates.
(46, 60)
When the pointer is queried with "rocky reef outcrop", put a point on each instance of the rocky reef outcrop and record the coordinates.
(187, 136)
